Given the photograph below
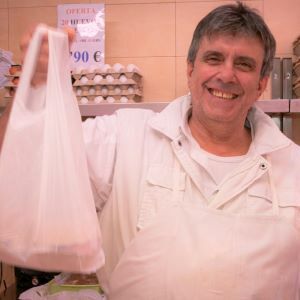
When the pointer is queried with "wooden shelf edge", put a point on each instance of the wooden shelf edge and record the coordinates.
(268, 106)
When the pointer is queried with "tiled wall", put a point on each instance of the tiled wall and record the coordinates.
(153, 34)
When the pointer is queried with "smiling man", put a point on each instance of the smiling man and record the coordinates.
(225, 81)
(226, 77)
(201, 200)
(212, 203)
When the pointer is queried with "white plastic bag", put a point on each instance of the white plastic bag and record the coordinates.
(47, 214)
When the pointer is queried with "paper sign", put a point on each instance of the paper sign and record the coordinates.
(88, 21)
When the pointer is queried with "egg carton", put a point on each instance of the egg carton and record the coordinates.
(296, 46)
(296, 67)
(11, 87)
(9, 92)
(121, 87)
(296, 87)
(15, 71)
(130, 70)
(98, 76)
(130, 98)
(105, 90)
(118, 82)
(13, 79)
(112, 80)
(85, 81)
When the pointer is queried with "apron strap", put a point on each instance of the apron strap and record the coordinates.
(175, 180)
(275, 201)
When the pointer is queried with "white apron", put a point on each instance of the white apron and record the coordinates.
(190, 252)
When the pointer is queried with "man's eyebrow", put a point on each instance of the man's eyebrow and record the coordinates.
(211, 53)
(246, 59)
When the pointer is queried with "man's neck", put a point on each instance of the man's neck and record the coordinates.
(221, 139)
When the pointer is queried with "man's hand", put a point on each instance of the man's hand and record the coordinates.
(40, 74)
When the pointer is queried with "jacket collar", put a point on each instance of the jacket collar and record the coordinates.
(173, 117)
(267, 137)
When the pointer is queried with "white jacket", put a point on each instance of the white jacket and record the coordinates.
(131, 158)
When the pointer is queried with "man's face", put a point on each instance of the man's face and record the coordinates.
(224, 80)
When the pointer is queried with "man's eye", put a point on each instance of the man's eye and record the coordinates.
(213, 60)
(244, 66)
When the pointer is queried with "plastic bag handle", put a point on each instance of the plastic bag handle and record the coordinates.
(30, 62)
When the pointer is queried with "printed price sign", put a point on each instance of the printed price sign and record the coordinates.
(88, 22)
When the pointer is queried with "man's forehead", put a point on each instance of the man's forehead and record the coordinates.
(214, 36)
(245, 42)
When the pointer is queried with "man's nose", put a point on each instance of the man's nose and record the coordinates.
(227, 73)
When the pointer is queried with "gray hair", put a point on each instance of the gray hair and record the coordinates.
(235, 19)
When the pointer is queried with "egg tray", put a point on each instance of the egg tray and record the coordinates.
(296, 67)
(17, 74)
(109, 99)
(106, 83)
(9, 91)
(106, 90)
(109, 86)
(130, 87)
(296, 87)
(296, 46)
(11, 86)
(115, 75)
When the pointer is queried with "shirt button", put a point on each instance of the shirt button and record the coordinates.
(263, 166)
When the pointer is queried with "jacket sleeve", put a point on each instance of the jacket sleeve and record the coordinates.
(100, 135)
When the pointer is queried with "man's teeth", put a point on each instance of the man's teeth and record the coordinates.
(220, 94)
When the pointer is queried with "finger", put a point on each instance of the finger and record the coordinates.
(40, 74)
(27, 37)
(71, 34)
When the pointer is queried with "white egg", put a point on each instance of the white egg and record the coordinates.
(78, 70)
(92, 91)
(98, 99)
(84, 100)
(118, 67)
(123, 78)
(104, 91)
(110, 99)
(91, 69)
(132, 68)
(109, 78)
(105, 68)
(84, 80)
(117, 90)
(124, 99)
(78, 91)
(97, 78)
(130, 90)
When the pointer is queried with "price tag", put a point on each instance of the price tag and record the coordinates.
(88, 21)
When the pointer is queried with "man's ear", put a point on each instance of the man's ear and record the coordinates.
(189, 72)
(262, 85)
(189, 69)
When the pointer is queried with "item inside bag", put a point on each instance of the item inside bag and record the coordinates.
(74, 282)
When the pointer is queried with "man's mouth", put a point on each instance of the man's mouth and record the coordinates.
(222, 95)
